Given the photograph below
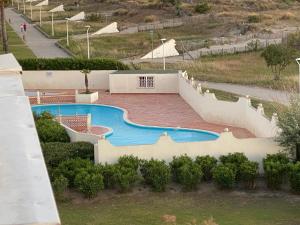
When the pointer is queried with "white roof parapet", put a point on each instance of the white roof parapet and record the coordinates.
(167, 50)
(59, 8)
(26, 196)
(9, 64)
(45, 2)
(79, 16)
(109, 29)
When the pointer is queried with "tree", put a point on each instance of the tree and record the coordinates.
(3, 27)
(86, 81)
(289, 124)
(278, 57)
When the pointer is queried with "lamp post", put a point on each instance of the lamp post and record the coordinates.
(40, 15)
(298, 62)
(52, 24)
(24, 7)
(67, 22)
(163, 45)
(151, 33)
(88, 40)
(30, 10)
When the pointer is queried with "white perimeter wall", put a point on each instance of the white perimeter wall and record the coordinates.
(239, 114)
(70, 79)
(129, 83)
(254, 148)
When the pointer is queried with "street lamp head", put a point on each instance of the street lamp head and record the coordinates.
(298, 61)
(87, 26)
(67, 18)
(163, 39)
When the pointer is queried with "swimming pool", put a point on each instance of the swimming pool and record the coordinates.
(125, 132)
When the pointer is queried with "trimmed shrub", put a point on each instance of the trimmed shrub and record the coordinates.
(43, 115)
(51, 131)
(224, 176)
(189, 175)
(126, 178)
(276, 167)
(60, 185)
(176, 163)
(109, 175)
(129, 161)
(295, 177)
(202, 8)
(71, 64)
(235, 159)
(57, 152)
(156, 173)
(207, 163)
(70, 168)
(249, 172)
(89, 182)
(274, 173)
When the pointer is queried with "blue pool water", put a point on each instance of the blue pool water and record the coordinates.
(124, 132)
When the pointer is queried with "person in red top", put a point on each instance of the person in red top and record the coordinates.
(25, 27)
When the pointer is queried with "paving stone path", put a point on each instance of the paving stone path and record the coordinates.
(37, 42)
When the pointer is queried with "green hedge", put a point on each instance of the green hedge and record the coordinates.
(57, 152)
(71, 64)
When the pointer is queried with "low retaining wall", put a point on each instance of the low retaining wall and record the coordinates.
(254, 148)
(77, 136)
(61, 79)
(240, 114)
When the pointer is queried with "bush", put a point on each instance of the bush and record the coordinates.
(202, 8)
(254, 19)
(276, 167)
(109, 175)
(189, 175)
(249, 172)
(51, 131)
(177, 163)
(207, 163)
(70, 168)
(224, 176)
(89, 182)
(129, 162)
(235, 159)
(60, 185)
(275, 173)
(57, 152)
(125, 177)
(295, 177)
(71, 64)
(156, 173)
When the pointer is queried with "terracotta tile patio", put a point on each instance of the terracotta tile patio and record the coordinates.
(159, 110)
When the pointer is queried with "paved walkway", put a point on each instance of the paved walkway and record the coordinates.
(255, 92)
(39, 44)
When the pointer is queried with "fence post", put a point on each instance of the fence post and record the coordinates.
(38, 98)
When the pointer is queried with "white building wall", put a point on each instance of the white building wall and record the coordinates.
(239, 114)
(254, 148)
(70, 79)
(128, 83)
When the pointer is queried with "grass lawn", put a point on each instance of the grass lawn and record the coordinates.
(246, 68)
(16, 45)
(120, 46)
(227, 208)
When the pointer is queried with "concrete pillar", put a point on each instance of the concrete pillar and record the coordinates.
(38, 98)
(199, 88)
(89, 122)
(260, 109)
